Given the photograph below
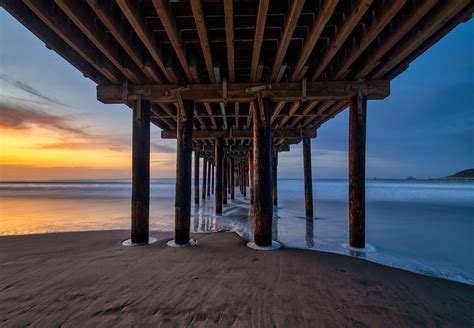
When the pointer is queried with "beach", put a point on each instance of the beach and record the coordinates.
(89, 279)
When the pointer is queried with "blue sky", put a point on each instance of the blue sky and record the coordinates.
(424, 129)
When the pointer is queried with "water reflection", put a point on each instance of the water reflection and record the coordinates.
(309, 232)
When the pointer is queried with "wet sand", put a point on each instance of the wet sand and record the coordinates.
(88, 279)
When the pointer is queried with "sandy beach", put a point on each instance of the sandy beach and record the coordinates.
(89, 279)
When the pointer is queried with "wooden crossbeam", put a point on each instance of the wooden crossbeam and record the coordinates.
(212, 93)
(26, 17)
(242, 134)
(429, 26)
(345, 30)
(294, 107)
(279, 106)
(111, 21)
(168, 21)
(72, 36)
(85, 22)
(133, 16)
(200, 20)
(323, 16)
(209, 112)
(306, 111)
(399, 32)
(369, 36)
(291, 21)
(258, 38)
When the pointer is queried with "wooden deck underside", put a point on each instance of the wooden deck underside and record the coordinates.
(149, 47)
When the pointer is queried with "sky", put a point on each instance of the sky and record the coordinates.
(52, 126)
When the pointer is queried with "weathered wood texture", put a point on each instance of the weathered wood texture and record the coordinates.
(262, 147)
(224, 182)
(212, 178)
(232, 178)
(219, 175)
(209, 177)
(275, 178)
(357, 129)
(196, 176)
(308, 178)
(183, 174)
(204, 177)
(140, 171)
(251, 180)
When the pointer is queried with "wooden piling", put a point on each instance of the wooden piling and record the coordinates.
(224, 186)
(275, 178)
(250, 160)
(262, 148)
(196, 177)
(219, 175)
(244, 178)
(209, 165)
(308, 179)
(140, 171)
(183, 173)
(232, 178)
(357, 135)
(212, 177)
(204, 177)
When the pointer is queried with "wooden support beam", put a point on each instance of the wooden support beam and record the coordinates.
(241, 134)
(357, 130)
(345, 30)
(232, 178)
(290, 25)
(275, 178)
(323, 16)
(229, 33)
(262, 145)
(200, 20)
(84, 20)
(251, 173)
(212, 178)
(212, 93)
(130, 11)
(224, 183)
(211, 116)
(219, 174)
(208, 186)
(72, 36)
(140, 171)
(308, 178)
(306, 111)
(373, 31)
(168, 21)
(26, 17)
(416, 38)
(276, 111)
(294, 107)
(204, 177)
(258, 38)
(400, 31)
(196, 175)
(183, 174)
(111, 20)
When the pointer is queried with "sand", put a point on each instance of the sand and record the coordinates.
(86, 279)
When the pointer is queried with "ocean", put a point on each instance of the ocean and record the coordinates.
(418, 225)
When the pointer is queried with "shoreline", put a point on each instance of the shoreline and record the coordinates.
(87, 278)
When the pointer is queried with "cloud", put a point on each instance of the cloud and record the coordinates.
(162, 148)
(19, 117)
(29, 89)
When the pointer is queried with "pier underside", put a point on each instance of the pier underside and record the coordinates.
(240, 81)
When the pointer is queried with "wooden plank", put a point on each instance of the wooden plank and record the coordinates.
(307, 109)
(345, 30)
(374, 31)
(205, 164)
(209, 113)
(200, 20)
(294, 107)
(72, 36)
(98, 36)
(26, 17)
(399, 32)
(278, 107)
(212, 93)
(241, 134)
(130, 11)
(168, 21)
(258, 38)
(323, 16)
(229, 32)
(290, 25)
(111, 21)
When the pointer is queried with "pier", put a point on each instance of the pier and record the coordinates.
(237, 82)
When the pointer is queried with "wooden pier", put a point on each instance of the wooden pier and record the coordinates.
(240, 81)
